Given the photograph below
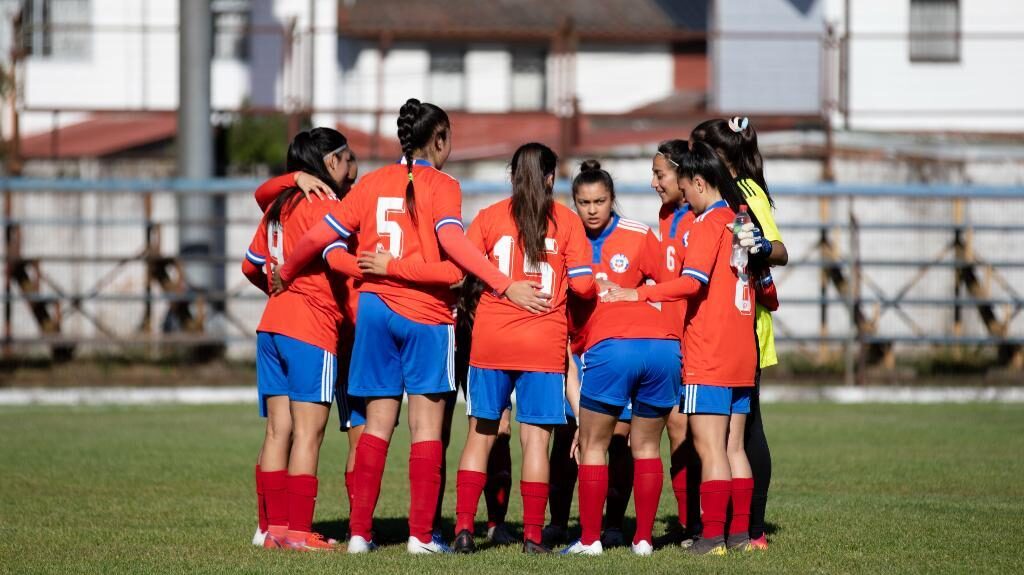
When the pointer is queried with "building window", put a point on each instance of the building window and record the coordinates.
(934, 30)
(448, 78)
(56, 28)
(230, 26)
(528, 73)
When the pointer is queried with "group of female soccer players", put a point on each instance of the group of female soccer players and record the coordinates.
(606, 334)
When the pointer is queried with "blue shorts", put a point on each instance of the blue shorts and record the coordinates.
(393, 354)
(351, 409)
(641, 373)
(625, 415)
(540, 396)
(299, 370)
(715, 400)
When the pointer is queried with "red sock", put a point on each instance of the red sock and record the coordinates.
(301, 502)
(535, 500)
(371, 455)
(593, 488)
(468, 487)
(348, 488)
(714, 501)
(275, 492)
(424, 484)
(261, 503)
(648, 475)
(679, 488)
(742, 491)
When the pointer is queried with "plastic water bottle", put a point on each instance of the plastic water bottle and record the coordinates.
(739, 253)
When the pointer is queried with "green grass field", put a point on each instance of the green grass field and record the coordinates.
(169, 489)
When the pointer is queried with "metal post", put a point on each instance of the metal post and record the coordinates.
(199, 233)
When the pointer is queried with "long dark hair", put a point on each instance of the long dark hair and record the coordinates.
(418, 122)
(701, 160)
(306, 154)
(736, 140)
(591, 172)
(673, 150)
(532, 199)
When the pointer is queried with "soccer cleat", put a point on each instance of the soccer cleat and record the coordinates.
(643, 548)
(271, 542)
(438, 539)
(554, 535)
(612, 537)
(674, 535)
(713, 546)
(501, 534)
(531, 548)
(739, 543)
(578, 548)
(310, 542)
(357, 544)
(417, 547)
(464, 542)
(759, 544)
(259, 538)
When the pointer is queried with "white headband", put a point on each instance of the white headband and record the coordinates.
(332, 152)
(668, 159)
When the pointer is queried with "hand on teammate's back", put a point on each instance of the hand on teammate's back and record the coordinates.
(375, 263)
(620, 294)
(527, 295)
(276, 284)
(313, 186)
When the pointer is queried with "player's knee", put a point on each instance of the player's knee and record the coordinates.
(279, 429)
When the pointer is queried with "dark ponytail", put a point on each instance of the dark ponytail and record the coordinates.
(307, 154)
(592, 173)
(736, 141)
(702, 161)
(532, 199)
(418, 123)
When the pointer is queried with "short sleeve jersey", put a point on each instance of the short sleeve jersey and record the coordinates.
(308, 311)
(626, 253)
(376, 210)
(718, 338)
(762, 209)
(674, 225)
(506, 336)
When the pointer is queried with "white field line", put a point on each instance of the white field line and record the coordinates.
(247, 394)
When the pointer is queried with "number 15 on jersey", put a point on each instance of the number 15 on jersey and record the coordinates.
(503, 250)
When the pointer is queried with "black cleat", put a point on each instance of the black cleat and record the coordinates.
(464, 542)
(738, 543)
(612, 537)
(714, 546)
(554, 535)
(531, 548)
(501, 534)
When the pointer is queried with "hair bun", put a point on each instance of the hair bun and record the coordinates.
(590, 166)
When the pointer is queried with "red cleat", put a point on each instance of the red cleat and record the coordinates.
(759, 544)
(300, 541)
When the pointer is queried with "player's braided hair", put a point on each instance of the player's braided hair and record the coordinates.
(532, 197)
(418, 123)
(306, 154)
(736, 141)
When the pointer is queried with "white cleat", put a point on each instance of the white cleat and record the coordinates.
(417, 547)
(357, 544)
(259, 538)
(578, 548)
(643, 548)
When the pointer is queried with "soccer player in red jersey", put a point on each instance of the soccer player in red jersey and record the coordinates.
(719, 347)
(296, 341)
(674, 220)
(404, 340)
(629, 354)
(529, 236)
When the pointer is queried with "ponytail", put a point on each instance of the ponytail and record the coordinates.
(702, 161)
(418, 123)
(532, 197)
(736, 142)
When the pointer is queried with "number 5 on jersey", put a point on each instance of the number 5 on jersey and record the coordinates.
(503, 250)
(387, 208)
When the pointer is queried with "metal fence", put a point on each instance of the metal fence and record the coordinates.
(93, 268)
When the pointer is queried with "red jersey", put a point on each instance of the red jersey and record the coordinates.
(674, 225)
(308, 311)
(719, 344)
(506, 336)
(375, 209)
(626, 253)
